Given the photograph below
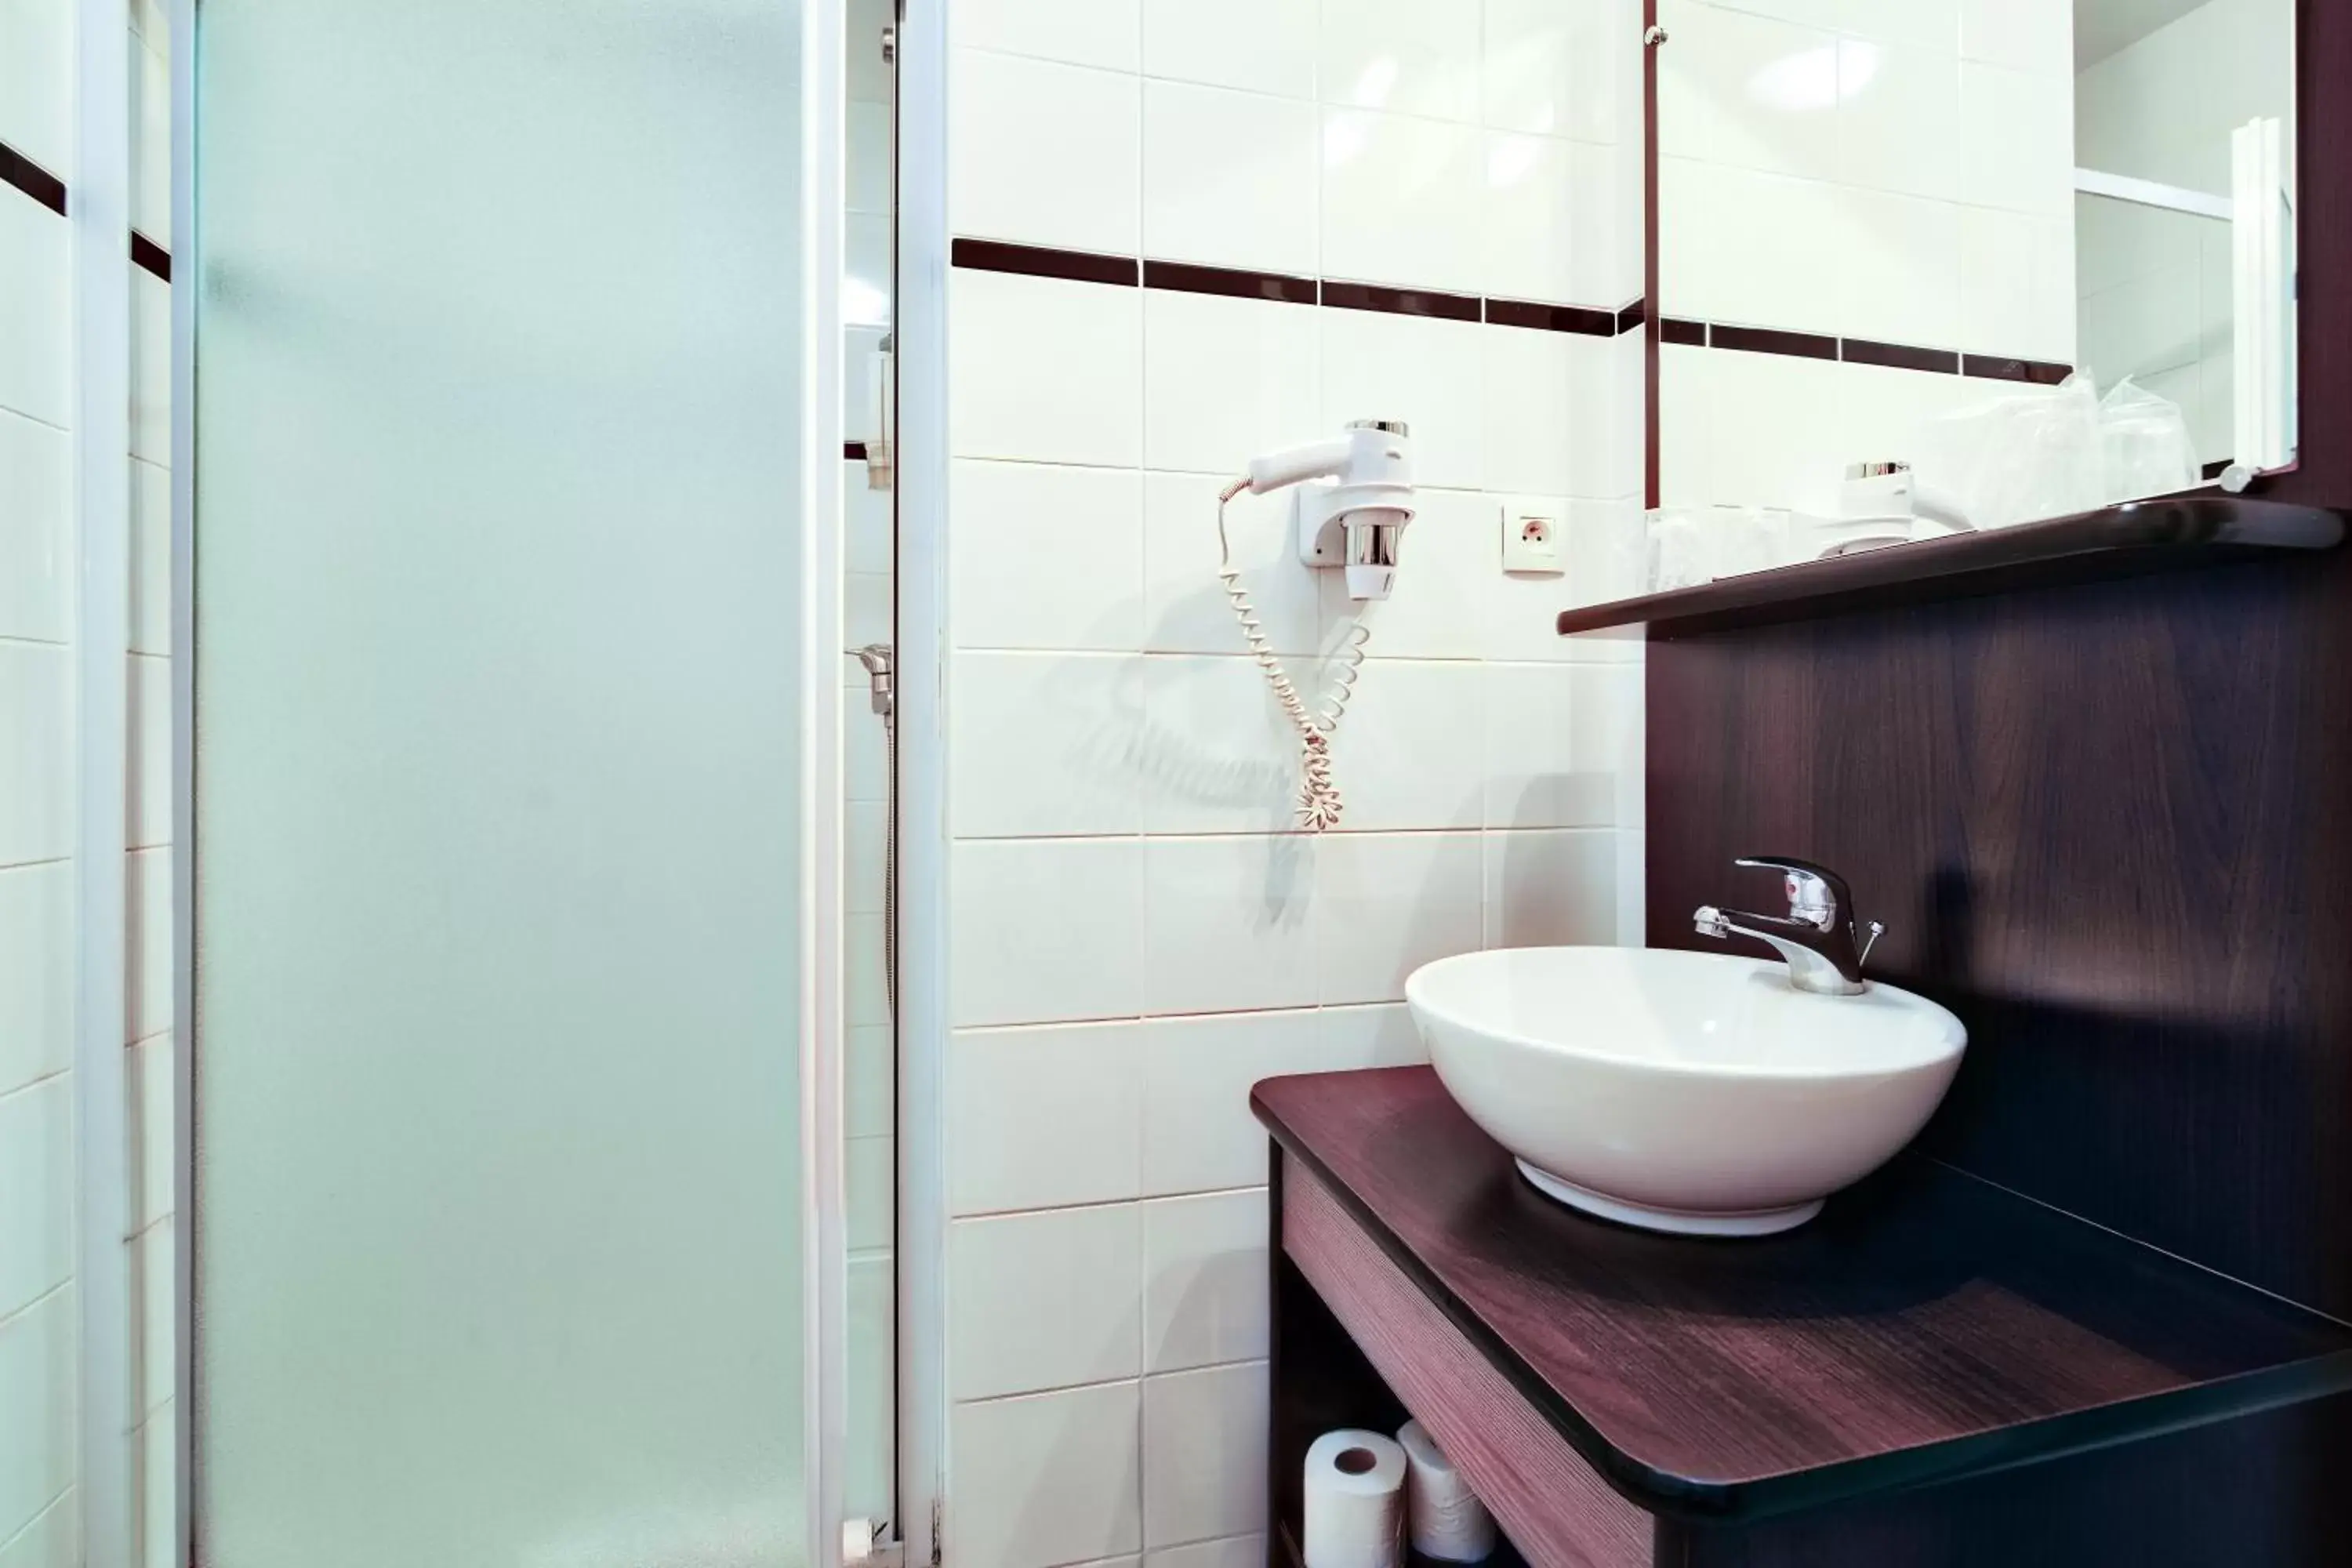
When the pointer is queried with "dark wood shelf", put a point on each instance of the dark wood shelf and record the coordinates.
(1928, 1327)
(2204, 528)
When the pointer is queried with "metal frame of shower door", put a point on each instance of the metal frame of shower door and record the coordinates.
(920, 336)
(99, 214)
(824, 1202)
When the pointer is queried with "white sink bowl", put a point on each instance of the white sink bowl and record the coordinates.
(1682, 1091)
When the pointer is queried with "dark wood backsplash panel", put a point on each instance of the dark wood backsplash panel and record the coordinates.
(2106, 826)
(2109, 824)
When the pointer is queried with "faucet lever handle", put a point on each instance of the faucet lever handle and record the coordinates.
(1817, 895)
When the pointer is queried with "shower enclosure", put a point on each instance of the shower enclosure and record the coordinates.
(537, 1218)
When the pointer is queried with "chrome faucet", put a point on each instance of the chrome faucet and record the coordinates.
(1817, 936)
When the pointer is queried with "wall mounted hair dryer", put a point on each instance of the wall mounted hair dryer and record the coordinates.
(1354, 522)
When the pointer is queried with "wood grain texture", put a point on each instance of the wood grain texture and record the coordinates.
(2176, 534)
(1927, 1327)
(1554, 1506)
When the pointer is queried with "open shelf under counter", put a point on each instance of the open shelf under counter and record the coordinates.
(2171, 533)
(1620, 1397)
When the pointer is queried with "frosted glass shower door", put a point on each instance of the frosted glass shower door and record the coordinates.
(500, 551)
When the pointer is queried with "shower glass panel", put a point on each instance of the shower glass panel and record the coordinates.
(498, 545)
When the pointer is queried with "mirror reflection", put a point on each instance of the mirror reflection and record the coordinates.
(1939, 266)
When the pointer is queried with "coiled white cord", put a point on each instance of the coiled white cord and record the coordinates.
(1319, 803)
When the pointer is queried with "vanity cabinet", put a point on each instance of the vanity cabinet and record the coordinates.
(1935, 1372)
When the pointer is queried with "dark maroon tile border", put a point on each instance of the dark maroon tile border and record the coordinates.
(854, 452)
(29, 177)
(1771, 340)
(1402, 301)
(1900, 356)
(1580, 319)
(1187, 278)
(1632, 316)
(2039, 371)
(1044, 261)
(150, 256)
(1690, 334)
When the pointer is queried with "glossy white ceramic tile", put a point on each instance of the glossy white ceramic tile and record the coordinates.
(1548, 203)
(1263, 46)
(1407, 753)
(1083, 1081)
(1224, 380)
(37, 579)
(1604, 545)
(37, 734)
(870, 1167)
(1409, 56)
(1042, 745)
(1777, 440)
(2017, 139)
(1044, 1300)
(155, 1461)
(1530, 763)
(1402, 199)
(147, 914)
(150, 557)
(872, 1470)
(1205, 1293)
(37, 77)
(1049, 1478)
(1530, 420)
(1216, 754)
(2023, 34)
(38, 1380)
(1228, 923)
(1045, 557)
(1426, 372)
(37, 1192)
(1901, 257)
(37, 973)
(1228, 178)
(153, 1349)
(1552, 889)
(1551, 67)
(1752, 248)
(1232, 1551)
(1749, 90)
(151, 141)
(1387, 903)
(151, 367)
(1104, 32)
(36, 315)
(1045, 370)
(1451, 550)
(1016, 119)
(150, 752)
(1377, 1035)
(149, 1071)
(1045, 930)
(1204, 1453)
(870, 1091)
(1899, 121)
(1186, 607)
(1198, 1133)
(52, 1539)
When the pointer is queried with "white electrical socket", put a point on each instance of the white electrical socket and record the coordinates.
(1531, 541)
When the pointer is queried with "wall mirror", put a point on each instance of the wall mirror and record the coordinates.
(1938, 265)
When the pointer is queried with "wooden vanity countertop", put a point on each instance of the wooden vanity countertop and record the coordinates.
(1926, 1326)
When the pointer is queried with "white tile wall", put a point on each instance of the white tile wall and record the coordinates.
(1138, 935)
(39, 546)
(1897, 172)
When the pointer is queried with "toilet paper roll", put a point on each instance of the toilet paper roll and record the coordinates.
(1355, 1501)
(1449, 1522)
